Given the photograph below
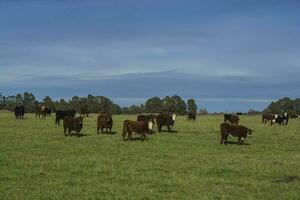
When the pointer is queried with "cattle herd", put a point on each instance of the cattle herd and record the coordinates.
(145, 123)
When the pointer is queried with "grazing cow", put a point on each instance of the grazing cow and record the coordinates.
(61, 114)
(165, 119)
(232, 118)
(72, 124)
(85, 112)
(271, 118)
(235, 130)
(191, 116)
(140, 127)
(104, 121)
(19, 112)
(282, 119)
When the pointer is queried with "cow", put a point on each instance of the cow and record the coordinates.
(232, 118)
(282, 119)
(42, 111)
(61, 114)
(140, 127)
(48, 112)
(19, 112)
(271, 118)
(165, 119)
(104, 121)
(238, 131)
(84, 111)
(191, 116)
(293, 116)
(72, 124)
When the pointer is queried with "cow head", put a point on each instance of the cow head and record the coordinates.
(150, 125)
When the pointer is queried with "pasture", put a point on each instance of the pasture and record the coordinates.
(38, 162)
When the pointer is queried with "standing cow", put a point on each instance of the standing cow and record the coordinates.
(140, 127)
(19, 112)
(104, 121)
(72, 124)
(269, 118)
(238, 131)
(232, 118)
(191, 116)
(165, 119)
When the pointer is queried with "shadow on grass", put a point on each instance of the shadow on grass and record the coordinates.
(287, 179)
(78, 135)
(231, 142)
(137, 139)
(108, 133)
(166, 131)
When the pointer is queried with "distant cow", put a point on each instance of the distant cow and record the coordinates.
(165, 119)
(232, 118)
(19, 112)
(282, 119)
(269, 118)
(84, 111)
(42, 111)
(104, 121)
(140, 127)
(293, 116)
(238, 131)
(72, 124)
(61, 114)
(191, 116)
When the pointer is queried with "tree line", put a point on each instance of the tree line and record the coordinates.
(99, 104)
(291, 106)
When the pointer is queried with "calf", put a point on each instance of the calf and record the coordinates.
(19, 112)
(191, 116)
(72, 124)
(165, 119)
(232, 118)
(61, 114)
(140, 127)
(235, 130)
(104, 121)
(282, 119)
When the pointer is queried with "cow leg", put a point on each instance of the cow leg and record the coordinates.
(124, 135)
(65, 131)
(98, 128)
(239, 140)
(225, 139)
(222, 139)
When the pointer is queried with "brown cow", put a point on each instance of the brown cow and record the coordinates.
(104, 121)
(140, 127)
(271, 118)
(235, 130)
(72, 124)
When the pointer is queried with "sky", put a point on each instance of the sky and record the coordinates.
(229, 55)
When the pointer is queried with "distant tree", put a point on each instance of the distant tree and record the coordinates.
(253, 112)
(47, 101)
(153, 105)
(191, 106)
(203, 111)
(174, 104)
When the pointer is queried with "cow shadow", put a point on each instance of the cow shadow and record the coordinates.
(166, 131)
(108, 133)
(79, 135)
(231, 142)
(137, 139)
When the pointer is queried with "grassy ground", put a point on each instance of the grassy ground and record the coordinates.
(38, 162)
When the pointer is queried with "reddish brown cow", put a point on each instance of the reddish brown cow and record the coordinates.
(235, 130)
(104, 121)
(140, 127)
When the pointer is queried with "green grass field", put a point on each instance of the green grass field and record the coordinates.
(38, 162)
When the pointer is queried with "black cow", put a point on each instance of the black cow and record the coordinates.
(61, 114)
(232, 118)
(282, 119)
(165, 119)
(19, 112)
(191, 116)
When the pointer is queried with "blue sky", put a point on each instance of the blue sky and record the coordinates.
(229, 55)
